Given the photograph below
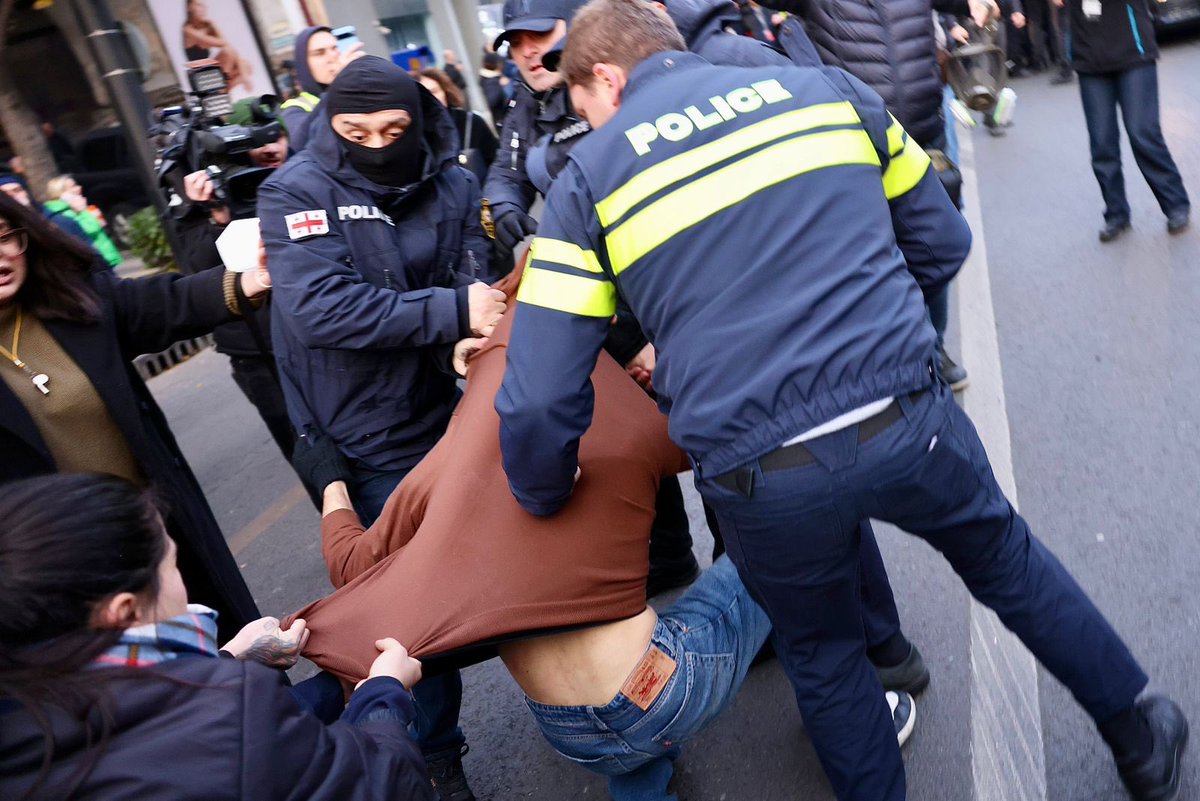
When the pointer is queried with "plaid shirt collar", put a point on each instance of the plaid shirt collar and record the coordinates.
(193, 633)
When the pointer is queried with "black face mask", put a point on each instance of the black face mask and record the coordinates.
(399, 164)
(367, 85)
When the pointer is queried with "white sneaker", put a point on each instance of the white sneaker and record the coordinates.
(904, 714)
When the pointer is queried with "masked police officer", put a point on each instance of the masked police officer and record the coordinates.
(796, 362)
(376, 236)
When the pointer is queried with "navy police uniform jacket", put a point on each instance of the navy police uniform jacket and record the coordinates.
(370, 292)
(531, 117)
(773, 230)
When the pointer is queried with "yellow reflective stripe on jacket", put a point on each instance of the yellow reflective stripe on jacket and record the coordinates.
(905, 170)
(685, 165)
(574, 294)
(565, 253)
(704, 197)
(896, 136)
(305, 100)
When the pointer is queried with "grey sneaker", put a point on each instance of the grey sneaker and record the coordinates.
(952, 372)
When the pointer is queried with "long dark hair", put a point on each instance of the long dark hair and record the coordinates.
(454, 95)
(57, 266)
(68, 542)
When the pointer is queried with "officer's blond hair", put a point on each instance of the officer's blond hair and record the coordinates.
(618, 32)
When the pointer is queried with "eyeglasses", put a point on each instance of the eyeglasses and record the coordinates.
(13, 242)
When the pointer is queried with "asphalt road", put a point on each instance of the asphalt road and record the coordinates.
(1097, 347)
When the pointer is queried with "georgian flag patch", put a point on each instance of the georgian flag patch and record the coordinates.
(307, 223)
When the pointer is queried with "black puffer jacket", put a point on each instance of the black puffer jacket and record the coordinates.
(888, 45)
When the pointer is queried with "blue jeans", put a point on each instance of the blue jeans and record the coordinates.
(712, 633)
(951, 149)
(438, 698)
(793, 539)
(1136, 92)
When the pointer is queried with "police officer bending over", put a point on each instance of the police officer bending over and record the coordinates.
(796, 365)
(541, 122)
(375, 234)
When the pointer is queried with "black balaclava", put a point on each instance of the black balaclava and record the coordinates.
(371, 84)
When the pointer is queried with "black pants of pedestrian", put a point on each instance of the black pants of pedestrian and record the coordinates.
(1135, 92)
(1044, 37)
(258, 379)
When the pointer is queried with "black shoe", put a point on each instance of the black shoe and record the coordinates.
(1064, 75)
(904, 714)
(1111, 231)
(1178, 222)
(953, 374)
(910, 676)
(1155, 776)
(447, 777)
(668, 574)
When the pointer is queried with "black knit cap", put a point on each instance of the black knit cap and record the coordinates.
(370, 84)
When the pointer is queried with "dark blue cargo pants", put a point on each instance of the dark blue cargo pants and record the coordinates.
(793, 538)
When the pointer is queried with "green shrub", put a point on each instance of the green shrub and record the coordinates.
(148, 242)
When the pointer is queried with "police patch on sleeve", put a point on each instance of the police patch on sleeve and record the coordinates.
(307, 223)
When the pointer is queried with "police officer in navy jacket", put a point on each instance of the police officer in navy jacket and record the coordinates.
(798, 373)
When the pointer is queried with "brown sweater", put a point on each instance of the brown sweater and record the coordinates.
(453, 560)
(74, 423)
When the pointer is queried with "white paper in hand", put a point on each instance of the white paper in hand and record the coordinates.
(238, 245)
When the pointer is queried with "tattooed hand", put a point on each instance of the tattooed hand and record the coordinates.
(264, 642)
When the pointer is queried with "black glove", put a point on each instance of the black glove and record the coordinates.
(319, 462)
(513, 226)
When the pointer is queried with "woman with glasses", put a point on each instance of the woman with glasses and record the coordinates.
(71, 401)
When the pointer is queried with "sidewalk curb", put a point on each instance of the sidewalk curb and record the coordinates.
(1008, 758)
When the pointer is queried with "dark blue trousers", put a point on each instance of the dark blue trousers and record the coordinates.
(1135, 91)
(439, 698)
(794, 542)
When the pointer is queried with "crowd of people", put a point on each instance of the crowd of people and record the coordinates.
(490, 482)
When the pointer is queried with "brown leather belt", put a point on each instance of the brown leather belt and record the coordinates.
(797, 455)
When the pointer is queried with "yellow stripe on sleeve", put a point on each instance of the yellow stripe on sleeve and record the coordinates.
(573, 294)
(567, 254)
(896, 136)
(905, 170)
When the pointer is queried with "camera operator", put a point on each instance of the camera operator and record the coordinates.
(247, 342)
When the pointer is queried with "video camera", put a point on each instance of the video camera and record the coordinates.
(195, 137)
